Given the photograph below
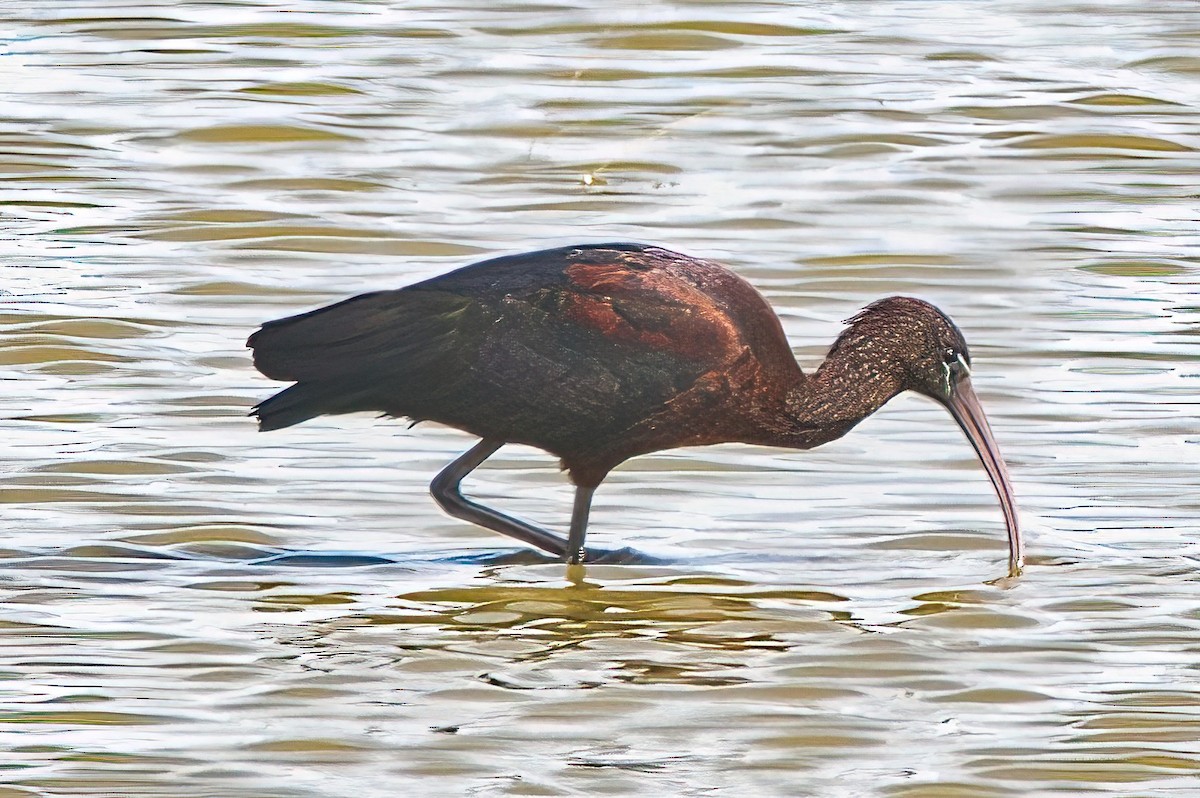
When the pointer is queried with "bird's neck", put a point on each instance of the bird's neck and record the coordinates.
(854, 381)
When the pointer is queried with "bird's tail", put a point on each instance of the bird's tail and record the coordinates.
(345, 356)
(292, 405)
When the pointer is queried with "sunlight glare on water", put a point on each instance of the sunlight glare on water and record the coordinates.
(193, 608)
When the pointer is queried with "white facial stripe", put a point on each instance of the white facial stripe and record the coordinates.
(962, 362)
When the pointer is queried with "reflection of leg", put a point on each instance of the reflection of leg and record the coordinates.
(445, 490)
(579, 521)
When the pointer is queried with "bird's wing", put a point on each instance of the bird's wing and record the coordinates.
(644, 307)
(652, 299)
(364, 335)
(580, 337)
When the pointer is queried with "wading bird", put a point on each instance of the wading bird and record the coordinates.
(599, 353)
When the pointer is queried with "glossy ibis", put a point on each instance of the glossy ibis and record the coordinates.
(599, 353)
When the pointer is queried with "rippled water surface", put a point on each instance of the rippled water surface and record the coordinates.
(193, 608)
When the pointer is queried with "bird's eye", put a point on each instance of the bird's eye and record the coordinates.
(955, 365)
(954, 369)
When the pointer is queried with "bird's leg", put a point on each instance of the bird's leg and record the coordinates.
(579, 520)
(445, 490)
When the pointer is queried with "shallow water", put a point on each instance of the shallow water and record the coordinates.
(192, 608)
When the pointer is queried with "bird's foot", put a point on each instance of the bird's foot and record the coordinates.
(621, 556)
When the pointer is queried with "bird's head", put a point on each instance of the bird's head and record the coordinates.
(926, 348)
(916, 339)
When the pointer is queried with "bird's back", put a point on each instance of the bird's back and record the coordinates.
(561, 348)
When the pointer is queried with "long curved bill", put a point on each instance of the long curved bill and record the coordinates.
(964, 406)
